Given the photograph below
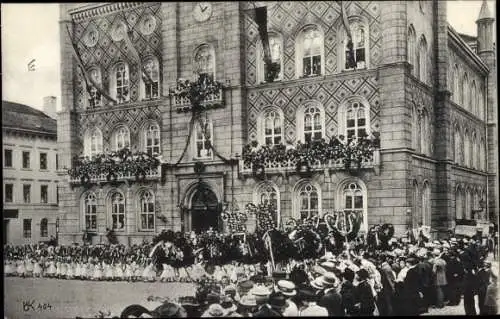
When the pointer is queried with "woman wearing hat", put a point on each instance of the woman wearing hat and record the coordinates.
(229, 307)
(247, 305)
(365, 300)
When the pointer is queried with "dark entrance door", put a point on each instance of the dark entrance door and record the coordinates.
(205, 212)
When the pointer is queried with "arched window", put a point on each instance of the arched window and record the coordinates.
(482, 155)
(204, 61)
(425, 135)
(423, 56)
(44, 227)
(459, 204)
(121, 138)
(458, 146)
(412, 50)
(360, 51)
(152, 139)
(417, 203)
(465, 92)
(310, 52)
(426, 204)
(472, 103)
(203, 139)
(268, 193)
(418, 136)
(271, 127)
(310, 122)
(95, 96)
(121, 83)
(276, 48)
(456, 88)
(151, 78)
(92, 143)
(309, 200)
(474, 152)
(354, 118)
(147, 210)
(468, 203)
(90, 211)
(415, 138)
(353, 198)
(467, 149)
(117, 202)
(480, 103)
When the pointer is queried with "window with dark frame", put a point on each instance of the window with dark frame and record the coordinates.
(7, 158)
(44, 228)
(43, 160)
(26, 228)
(26, 159)
(26, 193)
(44, 196)
(9, 193)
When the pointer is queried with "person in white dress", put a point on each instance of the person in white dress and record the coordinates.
(28, 264)
(8, 269)
(37, 269)
(64, 268)
(97, 272)
(164, 274)
(108, 271)
(139, 269)
(78, 269)
(118, 271)
(70, 271)
(51, 270)
(129, 272)
(21, 270)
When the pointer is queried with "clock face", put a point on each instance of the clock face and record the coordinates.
(92, 38)
(148, 25)
(202, 11)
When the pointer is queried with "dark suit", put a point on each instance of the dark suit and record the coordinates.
(470, 281)
(266, 311)
(454, 276)
(332, 301)
(410, 298)
(483, 277)
(364, 296)
(348, 295)
(386, 295)
(425, 273)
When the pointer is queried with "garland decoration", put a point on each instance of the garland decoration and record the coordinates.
(352, 153)
(112, 165)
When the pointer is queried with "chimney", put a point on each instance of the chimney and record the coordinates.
(49, 106)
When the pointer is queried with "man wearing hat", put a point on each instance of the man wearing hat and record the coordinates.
(308, 307)
(247, 305)
(229, 307)
(411, 295)
(439, 271)
(365, 299)
(274, 306)
(287, 288)
(331, 299)
(347, 292)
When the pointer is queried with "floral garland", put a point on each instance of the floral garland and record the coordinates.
(265, 215)
(305, 155)
(120, 162)
(197, 91)
(235, 220)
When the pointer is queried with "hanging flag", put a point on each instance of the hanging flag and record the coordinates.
(31, 65)
(84, 72)
(350, 57)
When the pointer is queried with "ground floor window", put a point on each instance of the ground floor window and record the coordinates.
(147, 210)
(27, 228)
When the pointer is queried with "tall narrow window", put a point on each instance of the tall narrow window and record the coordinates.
(425, 142)
(415, 139)
(482, 155)
(276, 48)
(27, 193)
(44, 227)
(356, 121)
(426, 205)
(423, 60)
(7, 158)
(353, 200)
(458, 146)
(152, 139)
(311, 49)
(467, 154)
(417, 204)
(122, 138)
(474, 152)
(147, 210)
(203, 139)
(44, 194)
(468, 204)
(459, 207)
(268, 194)
(273, 132)
(465, 92)
(204, 61)
(9, 193)
(26, 160)
(122, 83)
(57, 161)
(43, 161)
(411, 47)
(456, 89)
(117, 211)
(26, 228)
(90, 211)
(308, 201)
(93, 143)
(95, 99)
(151, 78)
(472, 103)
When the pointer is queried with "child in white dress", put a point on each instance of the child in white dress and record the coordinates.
(70, 271)
(78, 270)
(37, 269)
(164, 273)
(129, 272)
(51, 270)
(148, 274)
(21, 270)
(8, 269)
(97, 275)
(118, 271)
(64, 269)
(29, 267)
(108, 271)
(139, 269)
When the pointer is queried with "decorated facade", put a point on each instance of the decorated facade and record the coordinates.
(179, 115)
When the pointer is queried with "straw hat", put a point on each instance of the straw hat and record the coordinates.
(328, 266)
(215, 310)
(260, 291)
(318, 283)
(329, 280)
(286, 287)
(248, 300)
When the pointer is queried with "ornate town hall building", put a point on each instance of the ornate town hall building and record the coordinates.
(425, 90)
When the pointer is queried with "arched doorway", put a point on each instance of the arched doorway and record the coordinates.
(204, 210)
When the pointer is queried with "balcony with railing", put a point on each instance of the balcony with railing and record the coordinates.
(290, 165)
(204, 93)
(121, 166)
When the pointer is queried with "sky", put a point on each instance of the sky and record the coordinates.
(31, 31)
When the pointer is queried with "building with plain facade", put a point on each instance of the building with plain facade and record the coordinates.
(417, 83)
(29, 142)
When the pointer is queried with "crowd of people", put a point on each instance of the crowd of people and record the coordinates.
(406, 278)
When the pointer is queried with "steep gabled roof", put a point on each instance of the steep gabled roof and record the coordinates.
(485, 12)
(24, 117)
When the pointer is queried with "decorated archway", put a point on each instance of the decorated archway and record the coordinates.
(203, 210)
